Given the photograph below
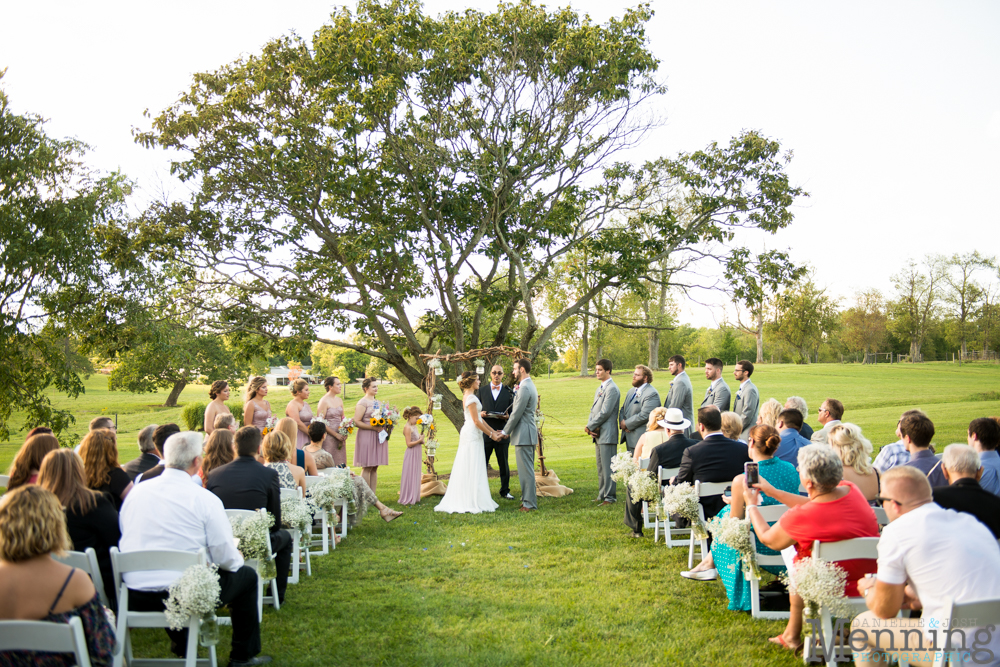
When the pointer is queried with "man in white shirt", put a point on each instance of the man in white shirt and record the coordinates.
(602, 426)
(927, 556)
(169, 512)
(829, 416)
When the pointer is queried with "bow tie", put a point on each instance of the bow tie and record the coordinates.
(495, 387)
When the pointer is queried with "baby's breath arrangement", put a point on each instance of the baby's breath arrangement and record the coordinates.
(295, 515)
(254, 533)
(643, 486)
(682, 500)
(622, 467)
(334, 487)
(736, 534)
(194, 593)
(819, 582)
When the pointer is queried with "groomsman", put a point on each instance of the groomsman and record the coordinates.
(640, 401)
(747, 401)
(717, 393)
(497, 397)
(602, 426)
(680, 395)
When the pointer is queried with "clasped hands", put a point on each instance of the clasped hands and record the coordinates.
(497, 436)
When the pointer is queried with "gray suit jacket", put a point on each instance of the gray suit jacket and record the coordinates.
(747, 405)
(521, 425)
(635, 413)
(719, 398)
(682, 396)
(604, 414)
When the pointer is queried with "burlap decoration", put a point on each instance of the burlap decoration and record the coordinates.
(430, 485)
(549, 487)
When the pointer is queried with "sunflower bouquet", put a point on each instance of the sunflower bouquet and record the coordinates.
(346, 427)
(385, 414)
(269, 425)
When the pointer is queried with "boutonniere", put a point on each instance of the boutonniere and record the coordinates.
(516, 387)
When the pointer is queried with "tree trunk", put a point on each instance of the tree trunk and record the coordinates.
(654, 349)
(914, 350)
(760, 338)
(175, 393)
(585, 347)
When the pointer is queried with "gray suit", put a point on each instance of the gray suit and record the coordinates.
(747, 405)
(681, 396)
(604, 420)
(719, 398)
(524, 436)
(635, 414)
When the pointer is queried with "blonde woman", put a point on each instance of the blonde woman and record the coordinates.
(219, 393)
(298, 410)
(256, 408)
(768, 415)
(277, 449)
(298, 457)
(855, 452)
(732, 426)
(654, 435)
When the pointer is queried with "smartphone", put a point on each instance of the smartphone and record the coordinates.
(728, 493)
(750, 468)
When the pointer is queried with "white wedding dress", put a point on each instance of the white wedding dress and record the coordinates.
(468, 487)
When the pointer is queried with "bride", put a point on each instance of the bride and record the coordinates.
(468, 488)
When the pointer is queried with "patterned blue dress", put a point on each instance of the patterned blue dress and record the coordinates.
(783, 476)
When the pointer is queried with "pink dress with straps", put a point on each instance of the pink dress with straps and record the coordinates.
(368, 451)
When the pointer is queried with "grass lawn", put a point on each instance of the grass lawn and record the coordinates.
(564, 585)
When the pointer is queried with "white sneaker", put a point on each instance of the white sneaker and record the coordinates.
(704, 575)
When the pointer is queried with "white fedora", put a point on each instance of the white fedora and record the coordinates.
(675, 420)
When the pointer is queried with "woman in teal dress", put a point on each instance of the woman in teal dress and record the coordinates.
(763, 443)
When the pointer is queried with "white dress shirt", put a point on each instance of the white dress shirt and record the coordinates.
(169, 512)
(496, 390)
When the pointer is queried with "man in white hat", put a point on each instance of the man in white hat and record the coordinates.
(668, 455)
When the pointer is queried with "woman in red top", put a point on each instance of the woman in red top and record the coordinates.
(835, 510)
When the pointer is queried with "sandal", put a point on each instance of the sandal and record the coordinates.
(390, 515)
(780, 640)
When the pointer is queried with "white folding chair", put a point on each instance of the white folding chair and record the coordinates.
(881, 517)
(86, 561)
(271, 599)
(144, 561)
(770, 513)
(704, 489)
(859, 547)
(328, 529)
(4, 480)
(46, 636)
(986, 612)
(672, 535)
(298, 562)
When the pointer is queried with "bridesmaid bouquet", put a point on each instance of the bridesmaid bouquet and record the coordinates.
(425, 420)
(320, 420)
(269, 425)
(346, 428)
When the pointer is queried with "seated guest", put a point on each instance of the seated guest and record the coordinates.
(799, 403)
(984, 436)
(35, 587)
(855, 452)
(732, 426)
(245, 484)
(894, 454)
(28, 460)
(299, 457)
(835, 510)
(276, 448)
(160, 435)
(99, 451)
(789, 423)
(219, 450)
(918, 431)
(107, 423)
(654, 435)
(667, 455)
(195, 520)
(769, 412)
(38, 430)
(764, 442)
(148, 456)
(715, 459)
(928, 556)
(963, 470)
(91, 519)
(227, 422)
(317, 434)
(830, 414)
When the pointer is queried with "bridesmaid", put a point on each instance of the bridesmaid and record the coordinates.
(256, 408)
(219, 393)
(369, 453)
(300, 412)
(331, 408)
(409, 486)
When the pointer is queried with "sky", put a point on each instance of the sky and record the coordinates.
(892, 109)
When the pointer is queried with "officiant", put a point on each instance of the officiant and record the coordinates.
(497, 399)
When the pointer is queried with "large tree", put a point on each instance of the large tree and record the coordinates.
(964, 295)
(397, 158)
(865, 325)
(804, 316)
(918, 291)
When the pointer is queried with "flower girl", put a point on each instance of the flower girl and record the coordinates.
(409, 486)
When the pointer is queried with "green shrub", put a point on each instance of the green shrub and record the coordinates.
(193, 415)
(236, 407)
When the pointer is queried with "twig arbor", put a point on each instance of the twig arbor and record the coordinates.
(488, 355)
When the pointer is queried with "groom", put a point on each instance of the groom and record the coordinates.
(523, 434)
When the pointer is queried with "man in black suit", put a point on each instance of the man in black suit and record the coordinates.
(160, 435)
(497, 397)
(667, 454)
(715, 459)
(149, 455)
(963, 469)
(245, 484)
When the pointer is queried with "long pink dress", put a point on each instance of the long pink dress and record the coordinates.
(368, 451)
(305, 416)
(409, 485)
(260, 416)
(333, 418)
